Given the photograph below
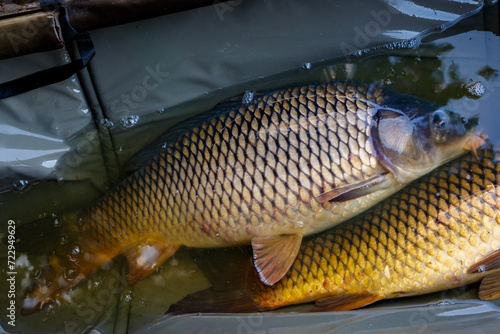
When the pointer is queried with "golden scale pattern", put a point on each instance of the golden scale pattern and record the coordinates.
(433, 229)
(260, 162)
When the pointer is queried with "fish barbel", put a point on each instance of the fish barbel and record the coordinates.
(438, 233)
(290, 163)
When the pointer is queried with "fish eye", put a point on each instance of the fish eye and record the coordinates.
(440, 120)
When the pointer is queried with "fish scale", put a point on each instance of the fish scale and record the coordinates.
(423, 239)
(290, 163)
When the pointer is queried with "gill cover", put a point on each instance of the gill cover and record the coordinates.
(390, 135)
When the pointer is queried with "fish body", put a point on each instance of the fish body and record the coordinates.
(440, 232)
(290, 163)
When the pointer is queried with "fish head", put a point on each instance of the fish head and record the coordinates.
(412, 137)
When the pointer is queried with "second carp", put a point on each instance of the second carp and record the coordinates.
(440, 232)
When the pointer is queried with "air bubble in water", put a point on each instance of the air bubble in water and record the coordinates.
(475, 90)
(75, 252)
(94, 283)
(21, 184)
(106, 122)
(445, 302)
(247, 97)
(63, 240)
(50, 308)
(37, 272)
(129, 121)
(127, 298)
(70, 273)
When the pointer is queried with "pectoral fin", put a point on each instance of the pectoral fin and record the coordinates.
(490, 285)
(274, 255)
(145, 257)
(352, 191)
(490, 262)
(345, 302)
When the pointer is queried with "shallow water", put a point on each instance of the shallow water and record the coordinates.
(438, 70)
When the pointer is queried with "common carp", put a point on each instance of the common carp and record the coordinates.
(290, 163)
(440, 232)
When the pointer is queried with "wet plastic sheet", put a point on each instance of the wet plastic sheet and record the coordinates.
(444, 317)
(36, 127)
(214, 52)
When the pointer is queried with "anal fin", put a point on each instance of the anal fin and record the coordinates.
(490, 262)
(356, 190)
(274, 255)
(345, 302)
(490, 287)
(211, 301)
(145, 257)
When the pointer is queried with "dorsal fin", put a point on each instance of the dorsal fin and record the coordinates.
(173, 133)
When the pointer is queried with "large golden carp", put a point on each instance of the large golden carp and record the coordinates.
(440, 232)
(291, 162)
